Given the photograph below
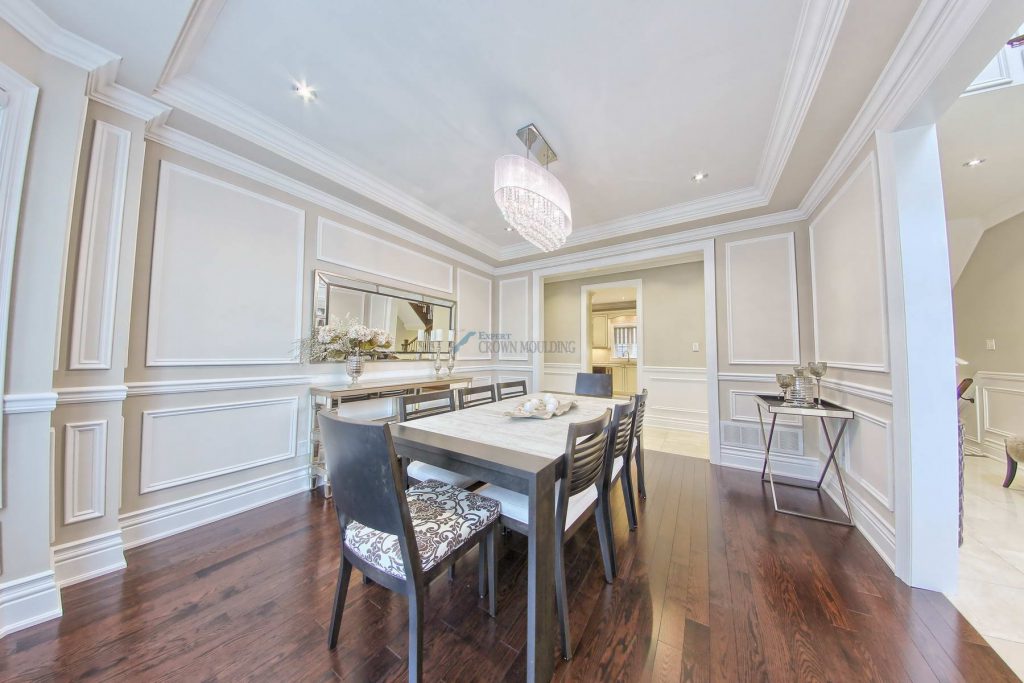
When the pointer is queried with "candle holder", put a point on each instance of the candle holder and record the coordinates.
(437, 364)
(451, 361)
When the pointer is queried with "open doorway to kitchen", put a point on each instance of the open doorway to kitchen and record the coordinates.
(644, 325)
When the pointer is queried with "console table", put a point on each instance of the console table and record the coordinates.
(333, 396)
(822, 409)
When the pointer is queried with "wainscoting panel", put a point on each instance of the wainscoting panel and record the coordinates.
(85, 470)
(848, 276)
(678, 397)
(474, 312)
(761, 301)
(559, 377)
(867, 456)
(227, 278)
(513, 314)
(182, 445)
(352, 248)
(998, 412)
(743, 408)
(92, 327)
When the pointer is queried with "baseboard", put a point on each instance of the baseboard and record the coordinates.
(994, 450)
(86, 559)
(798, 466)
(879, 533)
(151, 524)
(28, 601)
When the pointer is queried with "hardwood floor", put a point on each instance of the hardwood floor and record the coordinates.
(713, 586)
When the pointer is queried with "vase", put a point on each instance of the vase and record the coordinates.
(437, 364)
(451, 363)
(354, 367)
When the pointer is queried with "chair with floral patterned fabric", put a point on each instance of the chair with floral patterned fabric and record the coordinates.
(400, 539)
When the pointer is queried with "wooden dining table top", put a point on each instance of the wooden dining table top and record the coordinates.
(488, 424)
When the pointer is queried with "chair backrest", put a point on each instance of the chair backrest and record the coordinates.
(638, 419)
(513, 389)
(594, 384)
(621, 437)
(415, 406)
(586, 449)
(365, 474)
(476, 396)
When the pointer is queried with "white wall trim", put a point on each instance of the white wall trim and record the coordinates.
(147, 485)
(877, 394)
(502, 355)
(869, 165)
(28, 601)
(783, 464)
(30, 21)
(188, 386)
(154, 523)
(88, 558)
(156, 274)
(388, 243)
(760, 377)
(879, 533)
(986, 422)
(43, 402)
(737, 416)
(794, 358)
(97, 394)
(98, 268)
(76, 510)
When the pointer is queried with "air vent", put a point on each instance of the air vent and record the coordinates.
(786, 440)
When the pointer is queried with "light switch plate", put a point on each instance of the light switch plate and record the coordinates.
(696, 347)
(990, 344)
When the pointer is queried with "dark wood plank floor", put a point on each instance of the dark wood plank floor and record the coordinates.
(713, 586)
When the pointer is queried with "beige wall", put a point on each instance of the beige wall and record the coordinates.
(988, 303)
(673, 314)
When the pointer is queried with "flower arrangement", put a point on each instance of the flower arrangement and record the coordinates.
(337, 341)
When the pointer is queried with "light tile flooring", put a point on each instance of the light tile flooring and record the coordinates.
(990, 590)
(693, 444)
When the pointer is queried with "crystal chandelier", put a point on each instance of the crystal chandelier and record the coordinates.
(531, 199)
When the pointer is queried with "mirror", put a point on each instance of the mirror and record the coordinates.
(420, 324)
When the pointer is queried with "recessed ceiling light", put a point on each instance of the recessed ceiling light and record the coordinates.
(974, 162)
(508, 228)
(305, 91)
(699, 176)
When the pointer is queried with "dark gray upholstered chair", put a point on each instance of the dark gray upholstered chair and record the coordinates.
(638, 442)
(578, 495)
(594, 384)
(513, 389)
(416, 406)
(477, 396)
(621, 445)
(400, 539)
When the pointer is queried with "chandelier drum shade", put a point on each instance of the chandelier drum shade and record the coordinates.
(532, 200)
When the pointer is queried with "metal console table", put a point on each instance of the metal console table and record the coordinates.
(822, 409)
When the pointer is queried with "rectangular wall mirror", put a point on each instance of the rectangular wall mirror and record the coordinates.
(420, 324)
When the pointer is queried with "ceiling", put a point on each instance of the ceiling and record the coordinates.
(416, 100)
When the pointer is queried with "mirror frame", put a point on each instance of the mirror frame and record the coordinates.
(326, 279)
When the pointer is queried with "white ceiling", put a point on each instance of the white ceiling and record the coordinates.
(416, 100)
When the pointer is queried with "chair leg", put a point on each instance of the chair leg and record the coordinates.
(561, 600)
(641, 482)
(604, 535)
(451, 573)
(415, 637)
(482, 570)
(628, 497)
(367, 580)
(344, 575)
(1011, 472)
(492, 573)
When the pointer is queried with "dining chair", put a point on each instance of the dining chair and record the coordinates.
(477, 396)
(638, 442)
(512, 389)
(620, 444)
(418, 406)
(401, 540)
(577, 498)
(594, 384)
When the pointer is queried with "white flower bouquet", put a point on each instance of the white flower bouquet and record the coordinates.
(337, 341)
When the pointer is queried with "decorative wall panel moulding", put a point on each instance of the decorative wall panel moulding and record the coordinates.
(507, 318)
(747, 377)
(85, 470)
(28, 601)
(86, 559)
(193, 146)
(188, 386)
(92, 325)
(470, 284)
(877, 394)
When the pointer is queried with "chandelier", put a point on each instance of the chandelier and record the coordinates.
(532, 200)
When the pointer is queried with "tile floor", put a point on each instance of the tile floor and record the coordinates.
(693, 444)
(990, 590)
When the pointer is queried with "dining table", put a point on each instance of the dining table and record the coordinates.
(522, 454)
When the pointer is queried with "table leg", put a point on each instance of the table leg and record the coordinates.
(540, 623)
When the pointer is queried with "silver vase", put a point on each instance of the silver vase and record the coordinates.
(451, 363)
(354, 367)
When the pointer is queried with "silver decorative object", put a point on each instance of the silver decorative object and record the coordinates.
(785, 382)
(437, 364)
(801, 394)
(354, 366)
(818, 370)
(451, 362)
